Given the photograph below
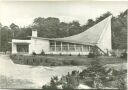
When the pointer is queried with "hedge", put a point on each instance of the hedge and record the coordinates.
(43, 60)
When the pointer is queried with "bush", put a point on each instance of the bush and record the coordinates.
(42, 60)
(60, 54)
(91, 55)
(76, 62)
(95, 76)
(66, 62)
(123, 55)
(42, 53)
(35, 60)
(79, 54)
(70, 54)
(33, 53)
(53, 83)
(121, 83)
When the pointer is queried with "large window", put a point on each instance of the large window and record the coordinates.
(71, 47)
(52, 45)
(85, 48)
(64, 46)
(78, 48)
(58, 46)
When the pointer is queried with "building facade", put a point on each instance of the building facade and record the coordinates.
(98, 37)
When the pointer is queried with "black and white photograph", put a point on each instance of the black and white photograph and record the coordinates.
(63, 44)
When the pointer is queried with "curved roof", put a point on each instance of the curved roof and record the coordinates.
(90, 36)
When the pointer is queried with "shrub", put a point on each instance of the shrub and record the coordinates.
(123, 55)
(42, 52)
(70, 54)
(66, 62)
(42, 60)
(60, 54)
(79, 54)
(33, 53)
(53, 83)
(121, 83)
(95, 76)
(91, 55)
(76, 62)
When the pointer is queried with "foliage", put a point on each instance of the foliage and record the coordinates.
(121, 82)
(51, 27)
(57, 60)
(96, 73)
(91, 55)
(33, 53)
(42, 53)
(5, 38)
(124, 55)
(43, 60)
(95, 76)
(53, 83)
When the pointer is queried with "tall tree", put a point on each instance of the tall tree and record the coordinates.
(119, 31)
(103, 16)
(14, 28)
(47, 27)
(74, 28)
(89, 24)
(5, 38)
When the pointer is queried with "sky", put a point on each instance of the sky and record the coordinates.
(22, 13)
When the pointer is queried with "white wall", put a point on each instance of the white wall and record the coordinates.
(34, 33)
(14, 44)
(105, 41)
(14, 48)
(37, 45)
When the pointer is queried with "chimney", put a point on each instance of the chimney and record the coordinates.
(34, 33)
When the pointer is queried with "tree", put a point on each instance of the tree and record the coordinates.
(47, 27)
(74, 28)
(6, 36)
(14, 29)
(24, 33)
(89, 24)
(63, 29)
(105, 15)
(119, 32)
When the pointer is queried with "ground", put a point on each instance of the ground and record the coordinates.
(24, 76)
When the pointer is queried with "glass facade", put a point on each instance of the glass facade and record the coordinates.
(72, 47)
(58, 46)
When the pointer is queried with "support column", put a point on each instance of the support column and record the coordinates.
(68, 46)
(88, 48)
(61, 46)
(55, 45)
(75, 47)
(82, 48)
(14, 48)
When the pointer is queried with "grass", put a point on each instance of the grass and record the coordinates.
(8, 82)
(56, 60)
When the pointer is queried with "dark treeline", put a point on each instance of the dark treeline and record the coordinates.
(52, 27)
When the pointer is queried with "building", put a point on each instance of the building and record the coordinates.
(97, 37)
